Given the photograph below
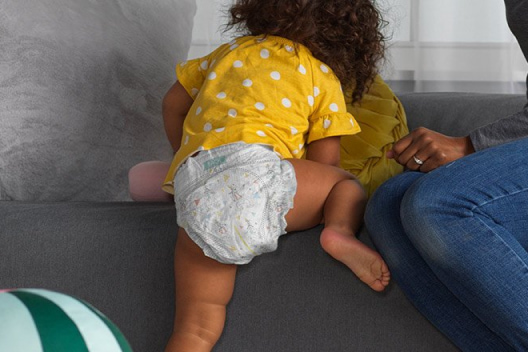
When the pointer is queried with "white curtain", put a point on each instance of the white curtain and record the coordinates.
(207, 30)
(450, 45)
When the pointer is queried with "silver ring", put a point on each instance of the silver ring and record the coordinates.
(418, 161)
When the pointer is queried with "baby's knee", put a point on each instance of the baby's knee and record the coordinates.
(145, 180)
(200, 324)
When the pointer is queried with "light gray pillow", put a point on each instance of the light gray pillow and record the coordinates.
(81, 83)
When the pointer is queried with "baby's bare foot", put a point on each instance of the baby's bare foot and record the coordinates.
(366, 263)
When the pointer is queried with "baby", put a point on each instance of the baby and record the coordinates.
(256, 127)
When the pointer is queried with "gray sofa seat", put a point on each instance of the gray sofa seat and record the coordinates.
(118, 256)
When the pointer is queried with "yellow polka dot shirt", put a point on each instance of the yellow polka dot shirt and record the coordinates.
(264, 90)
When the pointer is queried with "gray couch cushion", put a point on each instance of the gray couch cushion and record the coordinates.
(118, 257)
(81, 83)
(456, 114)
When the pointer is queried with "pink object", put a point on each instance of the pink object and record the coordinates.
(145, 180)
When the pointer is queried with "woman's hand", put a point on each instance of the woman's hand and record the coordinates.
(425, 150)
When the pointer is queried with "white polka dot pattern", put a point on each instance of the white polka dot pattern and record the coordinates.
(282, 96)
(265, 54)
(247, 82)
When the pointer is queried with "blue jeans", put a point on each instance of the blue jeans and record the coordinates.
(456, 243)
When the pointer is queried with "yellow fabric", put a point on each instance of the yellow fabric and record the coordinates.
(383, 121)
(264, 90)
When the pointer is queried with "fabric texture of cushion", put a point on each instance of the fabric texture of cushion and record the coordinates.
(81, 83)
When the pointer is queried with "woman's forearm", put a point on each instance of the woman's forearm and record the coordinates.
(501, 131)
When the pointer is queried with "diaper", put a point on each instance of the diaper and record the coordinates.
(232, 200)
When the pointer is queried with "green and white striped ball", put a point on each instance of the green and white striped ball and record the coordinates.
(35, 320)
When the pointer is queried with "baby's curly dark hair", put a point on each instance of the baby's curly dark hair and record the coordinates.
(344, 34)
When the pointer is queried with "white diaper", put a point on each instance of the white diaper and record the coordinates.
(232, 200)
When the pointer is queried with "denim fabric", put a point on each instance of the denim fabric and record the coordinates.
(456, 242)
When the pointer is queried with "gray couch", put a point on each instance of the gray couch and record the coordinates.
(81, 83)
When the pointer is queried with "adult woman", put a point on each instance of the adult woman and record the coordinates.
(456, 239)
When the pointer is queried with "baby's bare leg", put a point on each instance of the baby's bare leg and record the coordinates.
(329, 194)
(343, 211)
(203, 289)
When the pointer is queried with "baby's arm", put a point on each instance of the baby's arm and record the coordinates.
(325, 151)
(176, 104)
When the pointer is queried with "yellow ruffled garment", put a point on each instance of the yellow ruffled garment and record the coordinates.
(382, 120)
